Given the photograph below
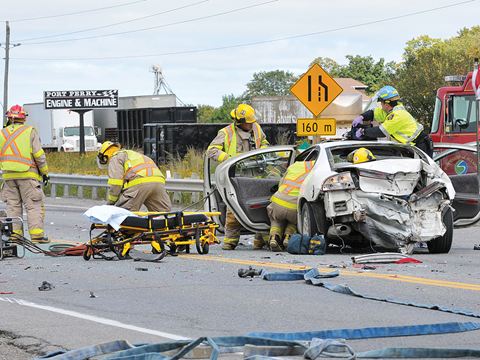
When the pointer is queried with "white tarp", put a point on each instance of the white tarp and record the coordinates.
(108, 214)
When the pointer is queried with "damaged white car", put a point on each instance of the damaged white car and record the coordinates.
(401, 198)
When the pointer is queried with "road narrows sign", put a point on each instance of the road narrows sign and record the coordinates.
(316, 89)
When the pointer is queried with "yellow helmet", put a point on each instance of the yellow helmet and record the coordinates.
(106, 151)
(244, 113)
(360, 156)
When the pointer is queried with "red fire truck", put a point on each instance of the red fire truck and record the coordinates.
(454, 121)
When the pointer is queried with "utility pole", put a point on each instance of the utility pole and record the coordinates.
(5, 78)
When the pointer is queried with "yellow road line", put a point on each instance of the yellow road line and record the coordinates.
(390, 277)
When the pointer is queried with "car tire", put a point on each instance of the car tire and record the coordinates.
(308, 223)
(442, 244)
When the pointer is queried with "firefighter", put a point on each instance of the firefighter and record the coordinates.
(133, 179)
(282, 210)
(395, 122)
(243, 135)
(24, 166)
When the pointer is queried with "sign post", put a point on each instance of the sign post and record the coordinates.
(80, 101)
(316, 89)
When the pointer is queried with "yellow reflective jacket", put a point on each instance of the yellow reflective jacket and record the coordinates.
(225, 143)
(401, 126)
(289, 186)
(128, 168)
(21, 155)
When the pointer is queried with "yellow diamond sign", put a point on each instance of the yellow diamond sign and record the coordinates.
(316, 89)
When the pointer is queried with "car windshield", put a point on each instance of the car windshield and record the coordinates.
(339, 155)
(75, 131)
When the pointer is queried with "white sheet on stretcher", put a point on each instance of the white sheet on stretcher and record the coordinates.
(107, 214)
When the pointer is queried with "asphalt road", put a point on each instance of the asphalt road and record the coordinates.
(201, 295)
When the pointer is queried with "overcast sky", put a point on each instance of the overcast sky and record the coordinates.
(182, 33)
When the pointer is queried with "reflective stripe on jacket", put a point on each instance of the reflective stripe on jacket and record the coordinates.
(289, 187)
(21, 154)
(137, 169)
(225, 144)
(401, 126)
(15, 148)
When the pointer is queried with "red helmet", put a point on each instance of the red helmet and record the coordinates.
(16, 112)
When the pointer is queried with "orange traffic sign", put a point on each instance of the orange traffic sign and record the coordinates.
(316, 89)
(312, 127)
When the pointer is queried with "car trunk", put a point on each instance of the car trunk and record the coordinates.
(401, 202)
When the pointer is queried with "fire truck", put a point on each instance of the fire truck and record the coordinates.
(454, 121)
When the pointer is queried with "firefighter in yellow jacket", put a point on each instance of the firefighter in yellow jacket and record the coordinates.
(282, 210)
(243, 135)
(24, 166)
(133, 179)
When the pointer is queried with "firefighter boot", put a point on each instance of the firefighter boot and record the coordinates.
(275, 243)
(259, 241)
(40, 240)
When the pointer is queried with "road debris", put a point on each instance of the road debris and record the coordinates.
(46, 286)
(384, 258)
(141, 269)
(250, 272)
(92, 295)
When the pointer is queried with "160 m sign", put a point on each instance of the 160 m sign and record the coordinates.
(311, 127)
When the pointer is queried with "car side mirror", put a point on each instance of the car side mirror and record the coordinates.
(274, 189)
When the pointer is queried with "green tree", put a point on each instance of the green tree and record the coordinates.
(426, 62)
(361, 68)
(365, 69)
(328, 64)
(269, 83)
(222, 113)
(205, 113)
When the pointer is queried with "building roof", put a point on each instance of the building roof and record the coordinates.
(350, 85)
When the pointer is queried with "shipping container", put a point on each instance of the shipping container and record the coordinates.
(162, 141)
(130, 122)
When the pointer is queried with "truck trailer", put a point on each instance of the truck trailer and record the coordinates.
(59, 130)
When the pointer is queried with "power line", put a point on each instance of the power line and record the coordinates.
(261, 42)
(153, 27)
(115, 24)
(78, 12)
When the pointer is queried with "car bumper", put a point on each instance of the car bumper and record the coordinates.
(388, 221)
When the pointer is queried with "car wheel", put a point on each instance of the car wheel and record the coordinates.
(308, 223)
(442, 244)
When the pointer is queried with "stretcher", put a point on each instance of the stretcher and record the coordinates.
(173, 230)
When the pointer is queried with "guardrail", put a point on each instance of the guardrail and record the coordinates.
(186, 185)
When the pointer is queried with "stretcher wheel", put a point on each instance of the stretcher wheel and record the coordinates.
(86, 254)
(198, 243)
(206, 248)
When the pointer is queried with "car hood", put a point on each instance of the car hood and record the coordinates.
(398, 177)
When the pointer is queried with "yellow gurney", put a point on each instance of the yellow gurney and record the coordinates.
(175, 230)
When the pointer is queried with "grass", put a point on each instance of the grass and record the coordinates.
(74, 163)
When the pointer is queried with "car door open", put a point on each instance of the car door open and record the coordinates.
(246, 183)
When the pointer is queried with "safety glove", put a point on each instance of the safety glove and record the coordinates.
(46, 180)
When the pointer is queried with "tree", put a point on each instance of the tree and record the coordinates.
(329, 65)
(222, 113)
(270, 83)
(205, 113)
(361, 68)
(426, 62)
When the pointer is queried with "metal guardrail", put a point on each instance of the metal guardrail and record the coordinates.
(95, 182)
